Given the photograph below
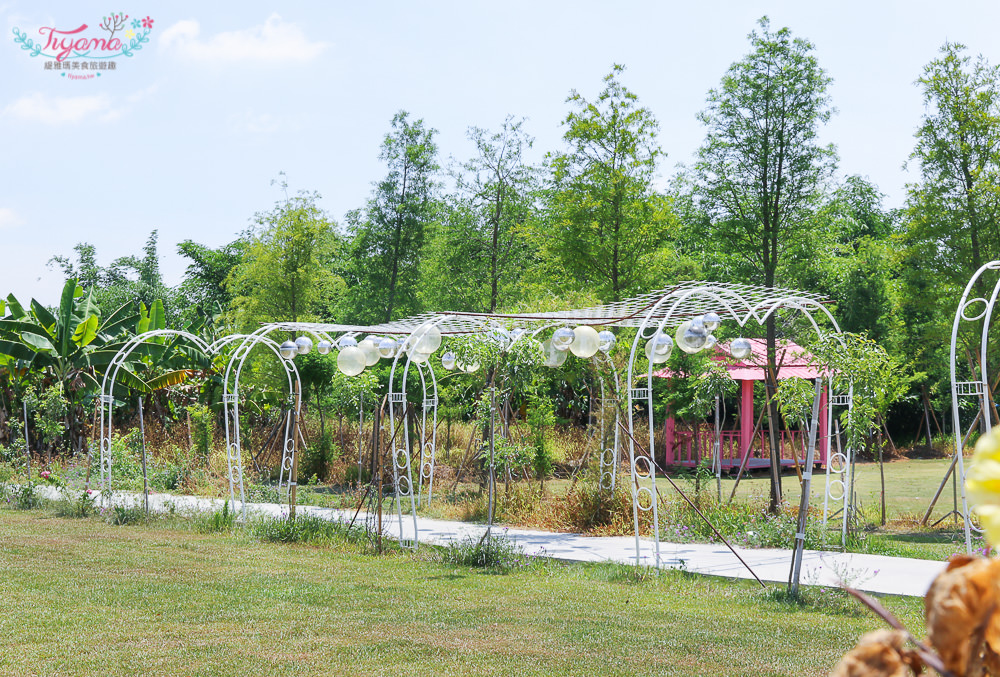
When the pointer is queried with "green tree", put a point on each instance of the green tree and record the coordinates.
(761, 167)
(383, 270)
(605, 223)
(127, 279)
(954, 209)
(286, 272)
(479, 250)
(204, 283)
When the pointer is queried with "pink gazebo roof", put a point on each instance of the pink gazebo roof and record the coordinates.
(793, 360)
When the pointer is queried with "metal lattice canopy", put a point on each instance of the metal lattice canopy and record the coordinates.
(690, 299)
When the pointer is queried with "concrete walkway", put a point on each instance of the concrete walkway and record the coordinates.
(872, 573)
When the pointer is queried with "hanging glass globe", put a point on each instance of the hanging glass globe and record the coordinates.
(692, 342)
(387, 347)
(553, 357)
(303, 344)
(427, 338)
(605, 341)
(351, 361)
(347, 342)
(658, 348)
(562, 338)
(418, 356)
(468, 368)
(448, 360)
(712, 321)
(288, 350)
(371, 352)
(697, 326)
(324, 347)
(740, 348)
(516, 333)
(585, 341)
(710, 342)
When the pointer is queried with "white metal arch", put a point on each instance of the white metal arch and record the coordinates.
(709, 297)
(108, 399)
(230, 400)
(977, 387)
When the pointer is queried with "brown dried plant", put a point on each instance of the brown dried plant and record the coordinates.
(963, 629)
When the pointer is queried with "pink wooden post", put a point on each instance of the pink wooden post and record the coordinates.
(824, 441)
(668, 441)
(746, 417)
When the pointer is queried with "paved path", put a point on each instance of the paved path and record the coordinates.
(872, 573)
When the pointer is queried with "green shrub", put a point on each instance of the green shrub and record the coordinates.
(79, 507)
(496, 554)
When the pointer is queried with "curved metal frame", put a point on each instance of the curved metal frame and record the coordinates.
(402, 475)
(230, 401)
(610, 457)
(971, 388)
(108, 399)
(716, 298)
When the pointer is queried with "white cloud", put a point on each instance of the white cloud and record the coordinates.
(254, 123)
(57, 110)
(273, 41)
(9, 218)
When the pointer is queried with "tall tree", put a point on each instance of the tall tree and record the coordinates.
(383, 271)
(605, 221)
(480, 249)
(761, 166)
(204, 283)
(286, 273)
(954, 209)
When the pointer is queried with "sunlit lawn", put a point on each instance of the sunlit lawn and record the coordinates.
(80, 597)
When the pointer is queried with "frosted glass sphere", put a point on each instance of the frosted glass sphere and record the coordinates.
(427, 338)
(712, 321)
(710, 342)
(740, 348)
(516, 333)
(585, 341)
(448, 360)
(387, 347)
(697, 326)
(692, 342)
(374, 339)
(605, 341)
(371, 352)
(347, 342)
(324, 347)
(419, 356)
(468, 368)
(658, 348)
(553, 357)
(288, 350)
(351, 361)
(303, 344)
(562, 338)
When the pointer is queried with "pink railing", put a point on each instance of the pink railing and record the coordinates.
(680, 448)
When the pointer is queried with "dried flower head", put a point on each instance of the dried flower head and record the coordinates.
(963, 625)
(882, 653)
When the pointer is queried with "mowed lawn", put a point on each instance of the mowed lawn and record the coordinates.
(80, 597)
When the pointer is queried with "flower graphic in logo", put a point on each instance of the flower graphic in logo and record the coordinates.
(147, 23)
(135, 23)
(130, 34)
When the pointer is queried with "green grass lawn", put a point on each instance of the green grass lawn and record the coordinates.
(81, 597)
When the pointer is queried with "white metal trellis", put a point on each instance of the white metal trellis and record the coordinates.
(108, 399)
(975, 387)
(740, 303)
(230, 400)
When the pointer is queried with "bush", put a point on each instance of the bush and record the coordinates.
(79, 507)
(221, 520)
(496, 553)
(23, 497)
(308, 529)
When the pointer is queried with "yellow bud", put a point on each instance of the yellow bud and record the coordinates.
(989, 520)
(988, 447)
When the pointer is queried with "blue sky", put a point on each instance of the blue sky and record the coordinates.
(186, 135)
